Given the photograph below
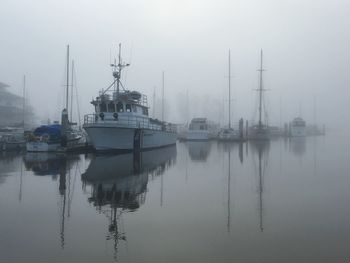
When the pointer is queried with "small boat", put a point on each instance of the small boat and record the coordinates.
(57, 137)
(12, 139)
(54, 138)
(198, 130)
(121, 121)
(298, 128)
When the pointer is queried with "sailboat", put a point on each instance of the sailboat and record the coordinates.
(260, 131)
(229, 134)
(121, 121)
(57, 137)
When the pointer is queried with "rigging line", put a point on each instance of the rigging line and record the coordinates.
(115, 80)
(77, 97)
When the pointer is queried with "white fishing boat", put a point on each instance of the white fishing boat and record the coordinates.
(229, 134)
(198, 130)
(260, 131)
(121, 121)
(298, 128)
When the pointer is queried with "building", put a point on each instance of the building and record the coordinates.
(11, 109)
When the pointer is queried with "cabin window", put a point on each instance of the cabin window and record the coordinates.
(111, 107)
(120, 107)
(145, 111)
(103, 107)
(128, 108)
(134, 109)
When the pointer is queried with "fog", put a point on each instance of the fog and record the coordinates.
(305, 43)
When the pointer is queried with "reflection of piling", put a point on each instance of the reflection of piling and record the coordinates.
(286, 130)
(240, 152)
(289, 129)
(246, 129)
(241, 133)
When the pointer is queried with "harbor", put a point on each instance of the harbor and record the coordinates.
(174, 131)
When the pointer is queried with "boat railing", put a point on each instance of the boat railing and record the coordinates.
(128, 122)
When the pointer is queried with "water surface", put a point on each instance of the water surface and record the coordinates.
(283, 201)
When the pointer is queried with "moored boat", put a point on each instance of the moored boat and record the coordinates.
(229, 133)
(260, 131)
(298, 127)
(121, 121)
(198, 130)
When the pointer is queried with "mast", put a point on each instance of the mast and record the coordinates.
(163, 96)
(154, 102)
(187, 107)
(24, 99)
(119, 67)
(71, 92)
(260, 87)
(229, 89)
(67, 85)
(117, 71)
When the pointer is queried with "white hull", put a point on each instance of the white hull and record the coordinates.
(298, 131)
(228, 135)
(197, 135)
(116, 138)
(41, 147)
(52, 147)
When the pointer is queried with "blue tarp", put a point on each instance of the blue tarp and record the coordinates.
(52, 130)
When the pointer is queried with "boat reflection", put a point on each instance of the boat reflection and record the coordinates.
(298, 145)
(199, 150)
(261, 149)
(44, 163)
(119, 183)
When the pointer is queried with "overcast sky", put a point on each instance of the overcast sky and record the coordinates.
(305, 43)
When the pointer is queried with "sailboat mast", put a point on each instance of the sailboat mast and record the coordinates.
(71, 92)
(260, 87)
(67, 85)
(163, 96)
(229, 89)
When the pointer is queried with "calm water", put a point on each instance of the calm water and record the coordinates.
(285, 201)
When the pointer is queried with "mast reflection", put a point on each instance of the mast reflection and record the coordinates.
(56, 165)
(261, 148)
(119, 184)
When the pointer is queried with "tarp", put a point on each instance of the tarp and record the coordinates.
(52, 130)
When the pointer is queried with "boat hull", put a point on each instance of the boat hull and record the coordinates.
(298, 131)
(259, 134)
(39, 146)
(198, 135)
(127, 139)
